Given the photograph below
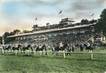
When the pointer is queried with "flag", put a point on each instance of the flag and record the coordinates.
(60, 12)
(92, 14)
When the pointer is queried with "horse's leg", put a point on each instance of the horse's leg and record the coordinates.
(40, 52)
(15, 51)
(57, 53)
(31, 50)
(45, 51)
(3, 51)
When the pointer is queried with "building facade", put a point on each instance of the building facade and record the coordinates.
(69, 34)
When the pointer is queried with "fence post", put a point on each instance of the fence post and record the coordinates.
(92, 56)
(64, 54)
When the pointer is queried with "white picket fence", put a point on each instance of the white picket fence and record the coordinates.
(29, 52)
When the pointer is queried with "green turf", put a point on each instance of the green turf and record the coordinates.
(76, 63)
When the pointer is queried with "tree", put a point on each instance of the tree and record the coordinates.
(101, 24)
(5, 35)
(26, 31)
(84, 21)
(16, 31)
(0, 40)
(92, 21)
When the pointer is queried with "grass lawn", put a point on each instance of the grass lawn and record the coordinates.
(76, 63)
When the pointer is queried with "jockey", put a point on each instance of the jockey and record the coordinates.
(88, 45)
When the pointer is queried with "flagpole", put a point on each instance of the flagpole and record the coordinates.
(36, 20)
(60, 14)
(92, 39)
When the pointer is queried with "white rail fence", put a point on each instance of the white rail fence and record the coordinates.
(29, 52)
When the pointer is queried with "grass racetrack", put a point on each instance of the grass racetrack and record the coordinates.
(76, 63)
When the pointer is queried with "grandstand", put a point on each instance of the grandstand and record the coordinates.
(66, 32)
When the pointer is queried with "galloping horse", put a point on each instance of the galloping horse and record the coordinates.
(89, 46)
(41, 49)
(16, 49)
(61, 47)
(6, 49)
(27, 49)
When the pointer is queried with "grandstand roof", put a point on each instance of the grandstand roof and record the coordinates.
(51, 30)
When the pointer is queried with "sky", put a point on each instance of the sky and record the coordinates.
(21, 14)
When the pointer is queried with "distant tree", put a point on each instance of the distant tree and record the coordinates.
(0, 40)
(16, 31)
(11, 33)
(26, 31)
(5, 35)
(92, 21)
(84, 21)
(101, 24)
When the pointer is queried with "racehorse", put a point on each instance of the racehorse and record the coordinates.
(16, 49)
(6, 49)
(41, 49)
(27, 49)
(60, 48)
(82, 46)
(89, 46)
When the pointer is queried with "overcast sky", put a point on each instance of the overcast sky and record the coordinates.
(21, 14)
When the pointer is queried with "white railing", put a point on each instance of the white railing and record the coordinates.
(29, 52)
